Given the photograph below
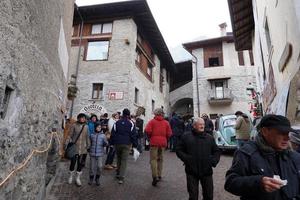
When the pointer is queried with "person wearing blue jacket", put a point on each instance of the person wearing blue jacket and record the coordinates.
(98, 141)
(91, 123)
(123, 136)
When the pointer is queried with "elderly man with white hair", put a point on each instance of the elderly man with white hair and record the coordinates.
(159, 131)
(199, 152)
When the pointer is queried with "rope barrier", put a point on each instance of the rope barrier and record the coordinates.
(24, 163)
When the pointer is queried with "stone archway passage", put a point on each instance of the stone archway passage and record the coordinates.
(183, 107)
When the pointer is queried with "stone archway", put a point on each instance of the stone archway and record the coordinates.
(183, 107)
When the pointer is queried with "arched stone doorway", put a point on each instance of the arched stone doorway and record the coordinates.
(183, 107)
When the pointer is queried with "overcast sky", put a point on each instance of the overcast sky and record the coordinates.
(184, 20)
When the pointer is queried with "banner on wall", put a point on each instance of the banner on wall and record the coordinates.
(269, 91)
(93, 109)
(282, 100)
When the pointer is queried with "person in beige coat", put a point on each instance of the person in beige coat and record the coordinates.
(242, 128)
(82, 145)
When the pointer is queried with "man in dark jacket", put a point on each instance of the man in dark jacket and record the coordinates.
(177, 126)
(123, 136)
(199, 153)
(209, 126)
(265, 169)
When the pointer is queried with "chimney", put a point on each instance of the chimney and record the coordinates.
(223, 29)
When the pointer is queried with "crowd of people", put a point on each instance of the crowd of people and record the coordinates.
(264, 167)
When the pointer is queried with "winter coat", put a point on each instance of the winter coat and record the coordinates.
(243, 127)
(97, 143)
(140, 127)
(252, 162)
(209, 126)
(158, 131)
(83, 141)
(123, 132)
(91, 126)
(111, 123)
(199, 153)
(177, 126)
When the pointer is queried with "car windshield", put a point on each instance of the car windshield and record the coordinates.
(229, 122)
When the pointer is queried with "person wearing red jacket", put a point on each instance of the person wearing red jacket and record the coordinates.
(158, 131)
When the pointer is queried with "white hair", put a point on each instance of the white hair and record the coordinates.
(196, 120)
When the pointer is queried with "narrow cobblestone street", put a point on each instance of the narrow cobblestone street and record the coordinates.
(137, 184)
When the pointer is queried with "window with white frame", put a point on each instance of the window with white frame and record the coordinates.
(97, 50)
(101, 28)
(97, 91)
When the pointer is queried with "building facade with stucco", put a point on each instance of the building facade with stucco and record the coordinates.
(123, 60)
(223, 78)
(272, 30)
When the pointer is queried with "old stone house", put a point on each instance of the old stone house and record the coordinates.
(124, 61)
(223, 78)
(272, 30)
(35, 46)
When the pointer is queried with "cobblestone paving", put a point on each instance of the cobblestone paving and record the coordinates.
(137, 185)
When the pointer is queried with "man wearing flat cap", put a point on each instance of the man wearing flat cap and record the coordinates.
(265, 169)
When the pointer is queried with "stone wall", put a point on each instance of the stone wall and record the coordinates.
(34, 40)
(119, 74)
(239, 79)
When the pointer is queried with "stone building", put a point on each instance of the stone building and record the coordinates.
(181, 89)
(223, 78)
(272, 30)
(124, 61)
(35, 44)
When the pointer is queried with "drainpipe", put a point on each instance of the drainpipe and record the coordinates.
(78, 56)
(197, 83)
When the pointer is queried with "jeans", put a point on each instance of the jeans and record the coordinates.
(80, 160)
(193, 187)
(122, 151)
(156, 160)
(110, 156)
(95, 165)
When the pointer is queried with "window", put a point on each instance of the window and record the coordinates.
(213, 116)
(101, 28)
(214, 61)
(161, 81)
(241, 58)
(96, 29)
(149, 69)
(153, 105)
(97, 91)
(213, 55)
(136, 95)
(138, 56)
(219, 89)
(7, 94)
(107, 28)
(268, 37)
(251, 57)
(97, 50)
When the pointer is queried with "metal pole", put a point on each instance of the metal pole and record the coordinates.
(78, 57)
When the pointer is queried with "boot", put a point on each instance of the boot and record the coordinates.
(78, 182)
(91, 180)
(97, 180)
(70, 180)
(154, 181)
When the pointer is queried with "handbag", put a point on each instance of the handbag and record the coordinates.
(71, 147)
